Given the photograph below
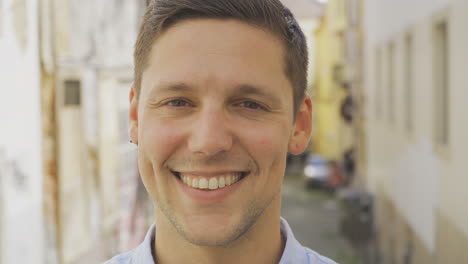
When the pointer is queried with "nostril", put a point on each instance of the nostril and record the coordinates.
(210, 135)
(210, 144)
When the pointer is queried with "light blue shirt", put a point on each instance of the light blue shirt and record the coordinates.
(294, 252)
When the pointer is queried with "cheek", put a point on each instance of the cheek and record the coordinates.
(146, 173)
(270, 138)
(157, 142)
(268, 149)
(267, 144)
(159, 139)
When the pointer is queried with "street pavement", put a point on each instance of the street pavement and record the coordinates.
(313, 216)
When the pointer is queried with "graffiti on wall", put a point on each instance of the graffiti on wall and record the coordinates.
(12, 173)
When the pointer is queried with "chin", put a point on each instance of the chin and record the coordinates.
(213, 238)
(217, 231)
(211, 231)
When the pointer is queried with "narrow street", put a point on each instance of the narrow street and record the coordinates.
(313, 216)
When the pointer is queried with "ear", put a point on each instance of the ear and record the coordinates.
(302, 127)
(133, 116)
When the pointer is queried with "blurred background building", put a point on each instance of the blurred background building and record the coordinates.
(67, 169)
(415, 82)
(387, 80)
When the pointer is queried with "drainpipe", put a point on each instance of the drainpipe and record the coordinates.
(51, 199)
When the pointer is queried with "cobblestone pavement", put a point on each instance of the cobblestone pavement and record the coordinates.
(313, 217)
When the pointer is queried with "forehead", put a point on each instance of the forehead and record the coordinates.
(223, 33)
(212, 50)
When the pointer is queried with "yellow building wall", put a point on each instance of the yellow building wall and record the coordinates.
(331, 136)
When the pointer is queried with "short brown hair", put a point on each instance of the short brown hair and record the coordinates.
(268, 14)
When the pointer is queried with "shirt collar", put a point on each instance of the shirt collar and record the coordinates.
(293, 250)
(142, 254)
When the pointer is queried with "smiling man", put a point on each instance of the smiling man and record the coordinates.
(218, 101)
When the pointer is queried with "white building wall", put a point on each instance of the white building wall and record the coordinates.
(20, 134)
(89, 38)
(407, 166)
(95, 46)
(454, 196)
(391, 17)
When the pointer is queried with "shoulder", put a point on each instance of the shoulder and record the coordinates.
(315, 258)
(124, 258)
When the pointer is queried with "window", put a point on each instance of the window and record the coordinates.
(72, 93)
(391, 83)
(441, 83)
(408, 75)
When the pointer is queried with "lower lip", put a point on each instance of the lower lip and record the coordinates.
(207, 195)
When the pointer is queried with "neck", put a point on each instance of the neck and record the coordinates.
(263, 243)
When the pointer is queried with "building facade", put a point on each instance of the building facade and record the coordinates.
(64, 153)
(20, 147)
(415, 79)
(332, 135)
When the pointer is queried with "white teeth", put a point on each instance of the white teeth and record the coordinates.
(203, 183)
(211, 183)
(195, 183)
(221, 183)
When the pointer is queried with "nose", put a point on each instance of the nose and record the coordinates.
(210, 134)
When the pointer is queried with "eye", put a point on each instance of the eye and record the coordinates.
(251, 105)
(178, 103)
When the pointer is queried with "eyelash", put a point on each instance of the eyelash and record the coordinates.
(257, 105)
(179, 101)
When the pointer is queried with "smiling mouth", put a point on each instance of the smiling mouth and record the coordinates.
(210, 183)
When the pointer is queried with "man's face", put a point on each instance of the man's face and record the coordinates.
(215, 112)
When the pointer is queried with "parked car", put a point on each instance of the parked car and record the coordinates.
(316, 172)
(321, 173)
